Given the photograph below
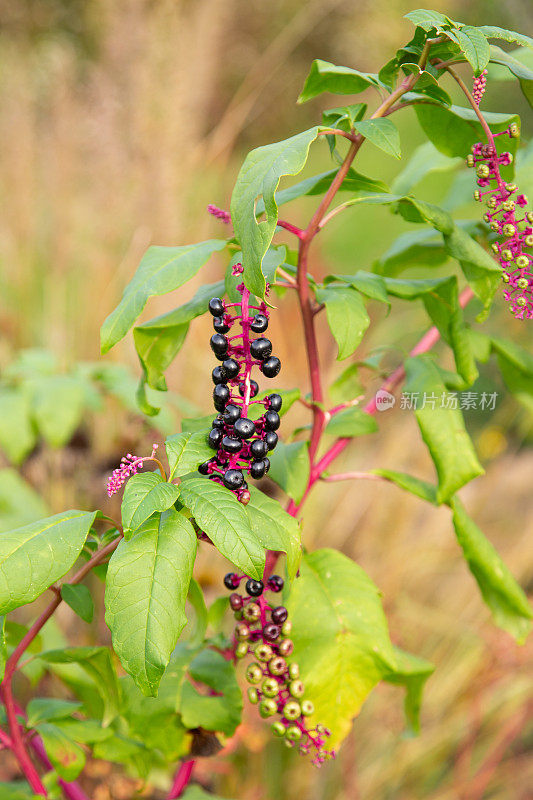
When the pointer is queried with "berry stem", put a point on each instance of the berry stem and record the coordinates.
(181, 779)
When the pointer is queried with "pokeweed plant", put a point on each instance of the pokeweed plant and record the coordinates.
(312, 659)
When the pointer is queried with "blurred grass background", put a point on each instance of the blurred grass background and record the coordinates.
(119, 122)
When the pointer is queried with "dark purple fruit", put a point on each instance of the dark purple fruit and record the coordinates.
(271, 439)
(219, 345)
(231, 414)
(244, 428)
(214, 438)
(279, 615)
(218, 376)
(231, 368)
(272, 420)
(254, 588)
(274, 402)
(276, 583)
(231, 580)
(259, 323)
(257, 469)
(231, 445)
(220, 325)
(271, 367)
(261, 348)
(254, 388)
(233, 479)
(216, 306)
(258, 448)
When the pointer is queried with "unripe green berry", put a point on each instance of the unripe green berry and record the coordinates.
(242, 631)
(522, 283)
(509, 205)
(292, 710)
(267, 708)
(286, 647)
(506, 254)
(511, 187)
(263, 652)
(253, 697)
(494, 227)
(508, 230)
(294, 670)
(470, 160)
(270, 687)
(278, 728)
(529, 216)
(241, 650)
(486, 218)
(514, 131)
(505, 277)
(495, 249)
(491, 202)
(251, 612)
(482, 171)
(522, 261)
(254, 673)
(521, 301)
(528, 240)
(296, 688)
(308, 708)
(286, 628)
(277, 665)
(294, 733)
(477, 195)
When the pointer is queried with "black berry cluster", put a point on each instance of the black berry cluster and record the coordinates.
(241, 444)
(263, 632)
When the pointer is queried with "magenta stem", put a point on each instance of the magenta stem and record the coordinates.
(181, 779)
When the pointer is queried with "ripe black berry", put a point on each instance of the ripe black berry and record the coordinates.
(231, 445)
(261, 348)
(271, 367)
(259, 323)
(233, 479)
(218, 422)
(230, 367)
(274, 402)
(258, 448)
(257, 469)
(279, 615)
(231, 413)
(214, 438)
(266, 462)
(254, 388)
(276, 583)
(271, 419)
(271, 632)
(219, 345)
(231, 580)
(221, 394)
(216, 306)
(218, 376)
(271, 439)
(220, 326)
(203, 469)
(254, 588)
(244, 428)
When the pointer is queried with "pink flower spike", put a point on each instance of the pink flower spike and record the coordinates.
(219, 213)
(129, 465)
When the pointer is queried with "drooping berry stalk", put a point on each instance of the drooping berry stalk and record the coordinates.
(262, 631)
(506, 219)
(241, 443)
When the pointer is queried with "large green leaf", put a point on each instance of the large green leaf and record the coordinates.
(162, 269)
(423, 489)
(493, 32)
(426, 19)
(411, 672)
(352, 421)
(425, 160)
(327, 77)
(482, 272)
(259, 177)
(33, 557)
(514, 62)
(290, 467)
(347, 316)
(340, 635)
(146, 588)
(17, 434)
(383, 133)
(442, 428)
(57, 407)
(44, 709)
(78, 597)
(220, 515)
(158, 340)
(418, 247)
(145, 494)
(274, 528)
(516, 367)
(186, 451)
(473, 44)
(220, 711)
(502, 594)
(67, 757)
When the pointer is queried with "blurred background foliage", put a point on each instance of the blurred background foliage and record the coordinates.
(119, 123)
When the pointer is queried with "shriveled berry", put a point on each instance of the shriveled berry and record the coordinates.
(233, 479)
(278, 728)
(244, 428)
(231, 580)
(271, 367)
(279, 615)
(277, 665)
(231, 413)
(271, 439)
(259, 323)
(272, 420)
(218, 376)
(216, 306)
(261, 348)
(258, 449)
(254, 388)
(292, 709)
(254, 588)
(286, 647)
(296, 688)
(221, 394)
(274, 402)
(308, 708)
(241, 650)
(293, 733)
(235, 601)
(267, 708)
(230, 367)
(270, 687)
(253, 697)
(251, 612)
(219, 345)
(214, 438)
(203, 469)
(254, 673)
(294, 670)
(220, 325)
(242, 631)
(276, 583)
(271, 631)
(263, 652)
(257, 469)
(231, 445)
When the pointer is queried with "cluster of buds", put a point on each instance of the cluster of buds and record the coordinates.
(241, 444)
(478, 90)
(262, 631)
(129, 465)
(507, 219)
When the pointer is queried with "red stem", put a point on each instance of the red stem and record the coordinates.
(181, 779)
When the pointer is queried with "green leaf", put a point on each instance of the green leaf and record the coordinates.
(220, 712)
(159, 340)
(419, 247)
(197, 601)
(67, 757)
(145, 494)
(259, 176)
(17, 434)
(146, 588)
(84, 731)
(423, 18)
(516, 67)
(19, 502)
(97, 664)
(327, 77)
(344, 117)
(425, 160)
(274, 528)
(350, 422)
(474, 45)
(367, 283)
(43, 709)
(290, 468)
(500, 591)
(411, 672)
(33, 557)
(480, 269)
(442, 429)
(383, 133)
(78, 597)
(347, 316)
(57, 406)
(493, 32)
(423, 489)
(219, 514)
(162, 269)
(20, 791)
(347, 386)
(186, 451)
(340, 635)
(516, 367)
